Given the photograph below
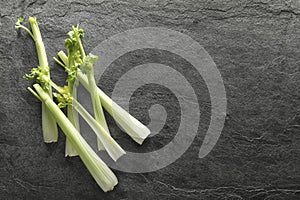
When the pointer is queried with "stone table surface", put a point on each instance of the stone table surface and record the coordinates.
(256, 48)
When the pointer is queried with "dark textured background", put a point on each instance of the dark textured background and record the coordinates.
(256, 47)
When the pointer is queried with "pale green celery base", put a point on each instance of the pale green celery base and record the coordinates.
(98, 169)
(69, 149)
(134, 128)
(49, 126)
(74, 119)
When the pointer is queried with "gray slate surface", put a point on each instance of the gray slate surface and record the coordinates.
(256, 47)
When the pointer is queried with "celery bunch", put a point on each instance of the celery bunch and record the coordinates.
(79, 68)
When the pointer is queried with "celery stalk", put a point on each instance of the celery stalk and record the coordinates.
(74, 119)
(98, 111)
(71, 68)
(104, 177)
(50, 132)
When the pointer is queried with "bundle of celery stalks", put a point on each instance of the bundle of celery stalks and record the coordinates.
(79, 68)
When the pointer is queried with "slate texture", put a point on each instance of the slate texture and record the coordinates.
(255, 45)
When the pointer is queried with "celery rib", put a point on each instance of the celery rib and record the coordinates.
(98, 111)
(74, 119)
(50, 132)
